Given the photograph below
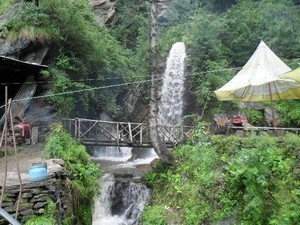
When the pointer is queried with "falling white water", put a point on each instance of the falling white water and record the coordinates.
(102, 208)
(120, 203)
(171, 101)
(111, 153)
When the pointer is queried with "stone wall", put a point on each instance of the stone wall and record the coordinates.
(35, 195)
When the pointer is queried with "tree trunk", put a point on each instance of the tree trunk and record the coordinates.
(156, 141)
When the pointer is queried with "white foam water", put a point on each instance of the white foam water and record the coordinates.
(120, 203)
(171, 95)
(111, 153)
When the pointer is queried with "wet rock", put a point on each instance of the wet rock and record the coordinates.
(39, 205)
(39, 211)
(27, 212)
(4, 204)
(39, 198)
(104, 10)
(23, 200)
(13, 49)
(22, 207)
(26, 195)
(123, 175)
(135, 104)
(272, 121)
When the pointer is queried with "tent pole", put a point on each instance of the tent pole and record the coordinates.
(272, 107)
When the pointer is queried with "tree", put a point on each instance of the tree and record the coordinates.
(156, 141)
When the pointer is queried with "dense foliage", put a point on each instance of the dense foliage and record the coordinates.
(85, 174)
(222, 35)
(250, 180)
(83, 54)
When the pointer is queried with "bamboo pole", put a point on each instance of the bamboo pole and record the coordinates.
(272, 107)
(5, 147)
(17, 161)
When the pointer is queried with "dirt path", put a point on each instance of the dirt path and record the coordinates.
(27, 155)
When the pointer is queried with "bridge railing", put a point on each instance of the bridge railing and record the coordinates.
(118, 133)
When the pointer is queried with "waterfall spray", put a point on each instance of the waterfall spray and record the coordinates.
(171, 102)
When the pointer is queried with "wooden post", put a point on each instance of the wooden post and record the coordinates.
(17, 161)
(78, 130)
(75, 128)
(35, 135)
(118, 135)
(141, 134)
(130, 132)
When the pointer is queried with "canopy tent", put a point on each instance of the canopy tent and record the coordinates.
(294, 75)
(259, 80)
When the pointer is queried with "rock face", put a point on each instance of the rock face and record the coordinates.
(104, 10)
(22, 49)
(135, 103)
(25, 50)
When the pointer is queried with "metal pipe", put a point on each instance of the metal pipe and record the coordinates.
(8, 217)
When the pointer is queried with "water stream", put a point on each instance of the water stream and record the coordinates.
(171, 94)
(122, 195)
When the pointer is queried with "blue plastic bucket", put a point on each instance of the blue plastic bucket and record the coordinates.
(37, 173)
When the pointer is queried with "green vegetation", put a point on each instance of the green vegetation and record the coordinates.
(80, 50)
(47, 219)
(222, 35)
(85, 174)
(250, 180)
(232, 37)
(4, 4)
(255, 117)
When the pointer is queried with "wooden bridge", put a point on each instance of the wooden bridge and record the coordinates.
(127, 134)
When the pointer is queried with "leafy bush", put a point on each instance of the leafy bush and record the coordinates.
(289, 112)
(85, 174)
(48, 218)
(40, 220)
(250, 180)
(255, 117)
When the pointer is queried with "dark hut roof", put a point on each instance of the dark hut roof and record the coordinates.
(11, 64)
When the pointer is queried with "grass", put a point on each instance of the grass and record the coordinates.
(4, 4)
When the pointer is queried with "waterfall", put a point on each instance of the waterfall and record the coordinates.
(120, 202)
(110, 153)
(122, 196)
(171, 101)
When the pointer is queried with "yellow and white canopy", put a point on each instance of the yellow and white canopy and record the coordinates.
(259, 80)
(294, 75)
